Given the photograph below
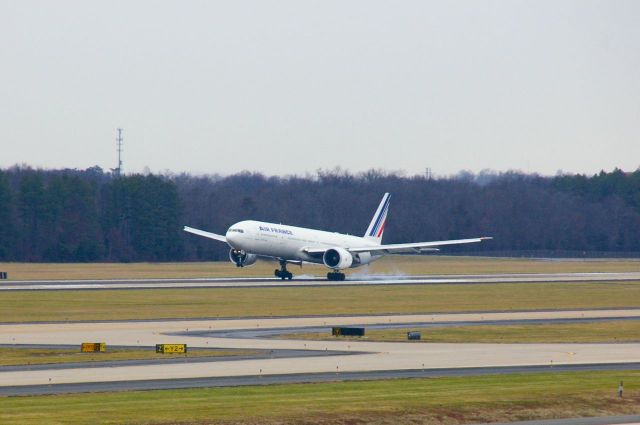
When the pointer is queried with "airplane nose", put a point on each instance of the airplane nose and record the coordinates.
(231, 236)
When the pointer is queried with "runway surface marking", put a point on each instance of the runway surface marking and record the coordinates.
(379, 356)
(241, 282)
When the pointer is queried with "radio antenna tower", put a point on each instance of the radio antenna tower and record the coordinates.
(119, 140)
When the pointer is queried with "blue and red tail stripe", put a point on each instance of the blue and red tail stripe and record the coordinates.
(378, 228)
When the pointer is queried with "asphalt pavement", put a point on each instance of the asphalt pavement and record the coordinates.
(336, 376)
(310, 281)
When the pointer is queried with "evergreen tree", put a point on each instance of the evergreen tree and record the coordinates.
(33, 214)
(7, 221)
(142, 219)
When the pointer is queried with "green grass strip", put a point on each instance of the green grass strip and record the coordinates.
(435, 400)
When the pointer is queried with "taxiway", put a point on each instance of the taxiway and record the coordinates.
(349, 359)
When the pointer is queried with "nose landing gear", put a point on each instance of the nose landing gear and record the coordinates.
(283, 273)
(335, 276)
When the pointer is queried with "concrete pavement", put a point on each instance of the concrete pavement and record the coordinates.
(378, 356)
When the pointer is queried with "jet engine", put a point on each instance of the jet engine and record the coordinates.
(337, 258)
(241, 258)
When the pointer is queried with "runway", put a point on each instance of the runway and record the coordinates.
(352, 359)
(607, 420)
(237, 381)
(312, 281)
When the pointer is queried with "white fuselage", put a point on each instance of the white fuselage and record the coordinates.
(288, 242)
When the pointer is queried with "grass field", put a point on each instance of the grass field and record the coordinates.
(242, 302)
(435, 401)
(398, 265)
(10, 356)
(609, 332)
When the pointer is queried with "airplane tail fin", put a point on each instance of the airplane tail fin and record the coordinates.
(376, 227)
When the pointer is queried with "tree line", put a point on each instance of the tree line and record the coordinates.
(92, 215)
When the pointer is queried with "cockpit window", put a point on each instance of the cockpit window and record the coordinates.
(236, 230)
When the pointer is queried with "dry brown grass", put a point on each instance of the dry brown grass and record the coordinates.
(409, 265)
(301, 301)
(13, 356)
(613, 331)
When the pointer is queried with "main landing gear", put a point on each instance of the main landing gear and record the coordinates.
(283, 273)
(335, 276)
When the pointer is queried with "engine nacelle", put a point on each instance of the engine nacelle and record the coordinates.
(362, 258)
(241, 258)
(337, 258)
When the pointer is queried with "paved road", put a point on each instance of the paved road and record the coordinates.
(608, 420)
(304, 281)
(371, 357)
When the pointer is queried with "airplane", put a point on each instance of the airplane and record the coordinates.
(251, 239)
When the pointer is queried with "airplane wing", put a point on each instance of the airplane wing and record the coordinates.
(205, 234)
(414, 247)
(401, 247)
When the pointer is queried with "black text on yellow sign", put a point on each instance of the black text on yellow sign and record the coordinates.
(93, 347)
(171, 348)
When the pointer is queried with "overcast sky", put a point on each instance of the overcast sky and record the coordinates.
(286, 87)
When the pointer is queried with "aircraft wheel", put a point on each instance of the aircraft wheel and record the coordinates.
(289, 275)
